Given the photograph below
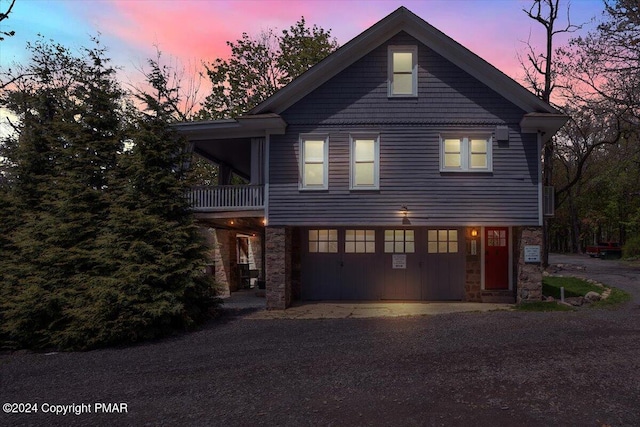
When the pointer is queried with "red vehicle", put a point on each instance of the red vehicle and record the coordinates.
(605, 249)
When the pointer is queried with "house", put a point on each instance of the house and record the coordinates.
(401, 167)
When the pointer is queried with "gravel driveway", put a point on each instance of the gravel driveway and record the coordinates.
(497, 368)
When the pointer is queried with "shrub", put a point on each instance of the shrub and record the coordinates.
(631, 249)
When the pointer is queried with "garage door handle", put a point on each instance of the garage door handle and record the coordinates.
(341, 264)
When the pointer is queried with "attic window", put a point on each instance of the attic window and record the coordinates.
(403, 71)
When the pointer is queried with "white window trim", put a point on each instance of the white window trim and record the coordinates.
(465, 153)
(352, 161)
(301, 145)
(414, 74)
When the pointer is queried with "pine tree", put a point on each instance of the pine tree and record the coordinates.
(154, 249)
(67, 140)
(98, 245)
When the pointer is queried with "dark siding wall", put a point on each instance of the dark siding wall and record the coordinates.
(449, 99)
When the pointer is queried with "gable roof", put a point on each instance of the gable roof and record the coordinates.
(403, 19)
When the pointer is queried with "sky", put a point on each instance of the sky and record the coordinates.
(193, 31)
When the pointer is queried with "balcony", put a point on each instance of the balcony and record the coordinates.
(226, 198)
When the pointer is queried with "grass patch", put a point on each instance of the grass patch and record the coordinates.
(543, 306)
(617, 296)
(573, 287)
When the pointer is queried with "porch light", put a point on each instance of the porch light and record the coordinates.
(231, 222)
(474, 232)
(405, 215)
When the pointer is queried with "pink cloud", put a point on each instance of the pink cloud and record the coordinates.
(196, 30)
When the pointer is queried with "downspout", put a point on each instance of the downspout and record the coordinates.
(540, 183)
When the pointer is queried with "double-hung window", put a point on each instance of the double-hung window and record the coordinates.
(365, 154)
(314, 164)
(465, 153)
(403, 71)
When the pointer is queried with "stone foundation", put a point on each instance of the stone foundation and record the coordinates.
(278, 267)
(222, 259)
(529, 275)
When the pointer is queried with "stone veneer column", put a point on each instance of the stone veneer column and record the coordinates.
(473, 271)
(278, 267)
(529, 275)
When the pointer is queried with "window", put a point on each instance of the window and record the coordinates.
(497, 238)
(314, 150)
(323, 241)
(442, 241)
(469, 153)
(364, 162)
(403, 71)
(360, 242)
(399, 241)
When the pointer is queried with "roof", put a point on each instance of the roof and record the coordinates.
(241, 127)
(403, 19)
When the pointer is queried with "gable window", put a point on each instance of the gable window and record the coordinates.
(323, 241)
(314, 153)
(365, 153)
(465, 153)
(403, 71)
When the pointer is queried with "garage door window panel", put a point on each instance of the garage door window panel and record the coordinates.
(442, 241)
(399, 241)
(323, 241)
(360, 241)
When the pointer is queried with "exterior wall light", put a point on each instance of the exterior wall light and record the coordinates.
(474, 232)
(405, 213)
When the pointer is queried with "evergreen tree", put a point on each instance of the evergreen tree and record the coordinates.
(154, 251)
(98, 246)
(69, 106)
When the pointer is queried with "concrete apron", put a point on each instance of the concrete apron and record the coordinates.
(343, 310)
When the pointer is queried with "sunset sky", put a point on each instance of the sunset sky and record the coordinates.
(196, 30)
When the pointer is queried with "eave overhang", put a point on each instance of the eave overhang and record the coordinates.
(250, 126)
(545, 123)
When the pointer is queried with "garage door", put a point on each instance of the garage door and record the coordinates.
(362, 263)
(444, 266)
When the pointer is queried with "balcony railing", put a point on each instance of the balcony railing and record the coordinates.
(227, 197)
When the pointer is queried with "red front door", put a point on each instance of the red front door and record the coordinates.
(496, 258)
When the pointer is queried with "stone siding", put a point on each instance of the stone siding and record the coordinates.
(278, 267)
(222, 257)
(529, 275)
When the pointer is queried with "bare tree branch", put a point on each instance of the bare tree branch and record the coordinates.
(3, 16)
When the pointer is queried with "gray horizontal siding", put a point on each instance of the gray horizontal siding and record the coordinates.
(409, 175)
(449, 99)
(446, 94)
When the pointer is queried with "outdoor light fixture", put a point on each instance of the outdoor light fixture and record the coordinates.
(405, 213)
(231, 222)
(474, 232)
